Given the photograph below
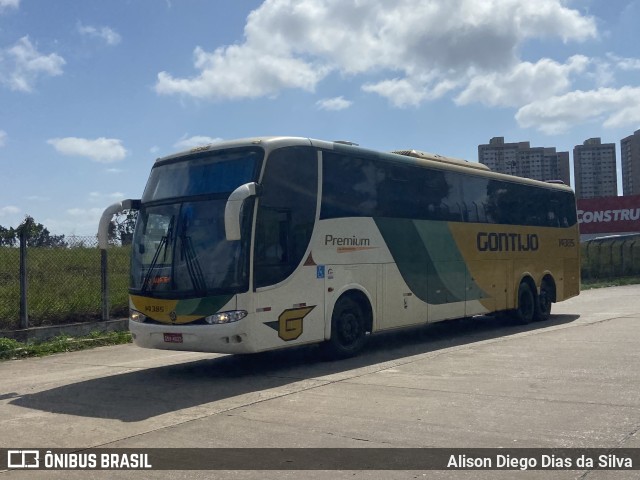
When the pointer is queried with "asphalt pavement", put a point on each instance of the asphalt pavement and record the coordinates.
(570, 382)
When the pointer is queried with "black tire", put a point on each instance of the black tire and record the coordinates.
(348, 329)
(545, 299)
(525, 311)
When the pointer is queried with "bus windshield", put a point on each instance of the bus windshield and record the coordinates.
(210, 173)
(179, 246)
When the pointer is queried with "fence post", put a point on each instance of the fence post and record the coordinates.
(24, 310)
(104, 283)
(588, 262)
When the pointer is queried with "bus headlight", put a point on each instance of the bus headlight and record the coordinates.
(226, 317)
(136, 316)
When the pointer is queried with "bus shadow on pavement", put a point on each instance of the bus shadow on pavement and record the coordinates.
(143, 394)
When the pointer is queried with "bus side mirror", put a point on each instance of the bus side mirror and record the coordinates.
(105, 219)
(234, 206)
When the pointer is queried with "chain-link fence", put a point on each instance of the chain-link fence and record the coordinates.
(9, 287)
(63, 283)
(607, 258)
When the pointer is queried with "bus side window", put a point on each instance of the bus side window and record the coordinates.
(286, 214)
(272, 239)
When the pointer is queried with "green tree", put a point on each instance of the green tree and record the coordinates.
(8, 237)
(38, 235)
(122, 226)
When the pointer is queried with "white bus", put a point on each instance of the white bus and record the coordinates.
(263, 243)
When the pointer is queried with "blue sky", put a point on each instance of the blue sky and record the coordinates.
(92, 91)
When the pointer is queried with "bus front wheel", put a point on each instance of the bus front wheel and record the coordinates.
(348, 329)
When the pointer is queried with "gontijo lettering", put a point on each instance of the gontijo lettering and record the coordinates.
(507, 242)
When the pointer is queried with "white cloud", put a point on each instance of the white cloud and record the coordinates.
(110, 36)
(3, 138)
(97, 197)
(21, 65)
(524, 83)
(333, 104)
(236, 72)
(625, 64)
(410, 92)
(9, 210)
(401, 92)
(429, 47)
(102, 150)
(195, 141)
(95, 213)
(614, 107)
(80, 221)
(7, 4)
(606, 68)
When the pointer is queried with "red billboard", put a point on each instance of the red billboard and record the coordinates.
(609, 214)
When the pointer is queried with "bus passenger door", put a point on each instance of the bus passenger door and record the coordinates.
(292, 312)
(289, 289)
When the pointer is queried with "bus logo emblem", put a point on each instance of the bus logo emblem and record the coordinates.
(290, 322)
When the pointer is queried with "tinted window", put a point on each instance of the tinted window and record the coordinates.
(517, 204)
(214, 172)
(351, 187)
(286, 213)
(362, 187)
(366, 187)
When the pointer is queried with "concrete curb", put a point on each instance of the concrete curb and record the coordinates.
(73, 330)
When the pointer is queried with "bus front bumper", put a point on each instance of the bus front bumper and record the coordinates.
(226, 338)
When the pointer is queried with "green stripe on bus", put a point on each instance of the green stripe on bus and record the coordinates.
(429, 260)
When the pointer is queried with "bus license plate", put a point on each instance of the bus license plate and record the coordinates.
(173, 338)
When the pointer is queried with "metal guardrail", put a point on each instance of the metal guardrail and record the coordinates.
(605, 258)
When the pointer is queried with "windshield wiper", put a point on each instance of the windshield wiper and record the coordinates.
(193, 265)
(164, 242)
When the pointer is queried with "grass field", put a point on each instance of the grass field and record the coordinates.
(63, 285)
(12, 349)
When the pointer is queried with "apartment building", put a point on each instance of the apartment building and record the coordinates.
(630, 158)
(522, 160)
(594, 166)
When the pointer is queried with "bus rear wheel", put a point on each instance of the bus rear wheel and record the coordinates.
(545, 299)
(348, 329)
(526, 310)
